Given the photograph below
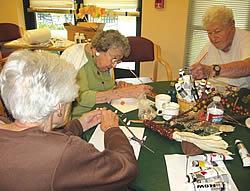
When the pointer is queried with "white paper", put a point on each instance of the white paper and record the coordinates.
(135, 80)
(177, 170)
(97, 138)
(125, 104)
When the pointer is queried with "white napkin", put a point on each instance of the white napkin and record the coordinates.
(37, 36)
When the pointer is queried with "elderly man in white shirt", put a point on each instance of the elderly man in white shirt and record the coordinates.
(227, 54)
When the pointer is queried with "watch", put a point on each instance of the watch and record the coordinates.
(217, 69)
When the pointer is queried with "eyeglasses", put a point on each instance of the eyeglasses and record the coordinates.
(114, 59)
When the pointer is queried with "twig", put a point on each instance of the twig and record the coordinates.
(141, 121)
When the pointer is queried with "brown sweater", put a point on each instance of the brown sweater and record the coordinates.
(34, 160)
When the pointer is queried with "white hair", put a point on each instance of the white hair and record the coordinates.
(33, 83)
(218, 14)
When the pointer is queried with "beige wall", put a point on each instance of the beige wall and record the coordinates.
(167, 28)
(12, 11)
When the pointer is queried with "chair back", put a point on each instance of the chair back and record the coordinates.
(143, 50)
(8, 32)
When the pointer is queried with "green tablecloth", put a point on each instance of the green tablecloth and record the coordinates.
(152, 167)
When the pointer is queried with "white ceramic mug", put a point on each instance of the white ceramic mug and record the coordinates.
(171, 109)
(161, 101)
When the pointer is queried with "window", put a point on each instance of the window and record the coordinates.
(54, 21)
(52, 14)
(197, 36)
(125, 24)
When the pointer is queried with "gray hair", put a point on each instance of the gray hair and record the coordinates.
(218, 14)
(111, 39)
(32, 84)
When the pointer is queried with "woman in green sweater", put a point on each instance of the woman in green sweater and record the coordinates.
(93, 62)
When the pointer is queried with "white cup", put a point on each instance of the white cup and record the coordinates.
(161, 100)
(171, 109)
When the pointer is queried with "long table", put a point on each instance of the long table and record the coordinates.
(152, 168)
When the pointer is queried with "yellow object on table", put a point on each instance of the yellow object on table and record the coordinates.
(185, 105)
(88, 29)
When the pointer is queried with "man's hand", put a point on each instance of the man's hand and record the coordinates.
(201, 71)
(90, 119)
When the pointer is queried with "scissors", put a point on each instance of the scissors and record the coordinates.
(140, 141)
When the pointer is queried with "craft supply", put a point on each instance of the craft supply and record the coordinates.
(203, 164)
(136, 76)
(134, 137)
(216, 157)
(207, 175)
(203, 57)
(182, 92)
(209, 186)
(245, 156)
(215, 110)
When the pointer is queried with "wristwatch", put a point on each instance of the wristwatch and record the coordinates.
(216, 69)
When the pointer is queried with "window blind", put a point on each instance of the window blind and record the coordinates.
(197, 37)
(113, 4)
(52, 4)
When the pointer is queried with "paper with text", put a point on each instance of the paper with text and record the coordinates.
(177, 168)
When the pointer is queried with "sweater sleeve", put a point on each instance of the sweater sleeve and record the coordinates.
(73, 127)
(86, 97)
(82, 167)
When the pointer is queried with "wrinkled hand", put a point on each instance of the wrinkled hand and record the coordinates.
(90, 119)
(201, 71)
(134, 90)
(122, 84)
(109, 120)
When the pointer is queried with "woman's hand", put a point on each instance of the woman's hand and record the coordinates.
(109, 120)
(122, 84)
(201, 71)
(134, 91)
(90, 119)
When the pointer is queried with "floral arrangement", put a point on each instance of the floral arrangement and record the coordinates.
(95, 12)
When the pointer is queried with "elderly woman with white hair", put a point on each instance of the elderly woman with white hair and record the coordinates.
(37, 88)
(227, 55)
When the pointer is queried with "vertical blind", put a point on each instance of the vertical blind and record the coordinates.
(52, 4)
(113, 4)
(197, 37)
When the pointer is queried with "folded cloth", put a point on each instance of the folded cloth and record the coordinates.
(37, 36)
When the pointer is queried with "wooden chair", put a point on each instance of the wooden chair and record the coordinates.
(144, 50)
(9, 32)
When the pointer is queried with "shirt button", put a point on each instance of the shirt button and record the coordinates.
(102, 83)
(98, 73)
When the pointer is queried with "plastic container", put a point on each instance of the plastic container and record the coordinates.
(82, 38)
(215, 110)
(77, 38)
